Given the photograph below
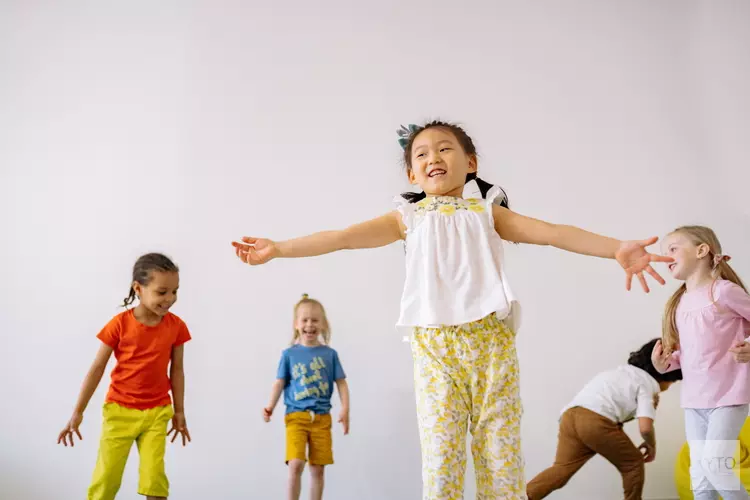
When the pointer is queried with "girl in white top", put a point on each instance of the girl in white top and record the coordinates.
(458, 304)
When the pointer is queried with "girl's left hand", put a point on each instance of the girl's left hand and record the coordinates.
(741, 352)
(179, 427)
(634, 258)
(344, 420)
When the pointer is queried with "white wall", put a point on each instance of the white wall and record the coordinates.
(172, 126)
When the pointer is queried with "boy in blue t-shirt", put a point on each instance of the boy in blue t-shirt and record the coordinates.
(307, 373)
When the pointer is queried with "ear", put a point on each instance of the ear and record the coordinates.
(137, 288)
(703, 250)
(473, 163)
(411, 176)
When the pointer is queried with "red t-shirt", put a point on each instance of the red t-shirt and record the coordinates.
(140, 379)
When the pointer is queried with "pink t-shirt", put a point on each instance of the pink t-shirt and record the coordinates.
(709, 322)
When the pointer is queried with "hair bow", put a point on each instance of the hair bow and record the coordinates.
(404, 133)
(719, 258)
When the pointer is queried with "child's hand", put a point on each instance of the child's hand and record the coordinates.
(659, 358)
(267, 412)
(741, 351)
(255, 250)
(71, 427)
(344, 420)
(179, 427)
(648, 452)
(634, 258)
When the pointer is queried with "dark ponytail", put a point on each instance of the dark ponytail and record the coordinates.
(407, 141)
(142, 272)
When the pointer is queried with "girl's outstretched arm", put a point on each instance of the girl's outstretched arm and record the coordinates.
(374, 233)
(90, 383)
(631, 255)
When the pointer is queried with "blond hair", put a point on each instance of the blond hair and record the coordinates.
(698, 235)
(326, 327)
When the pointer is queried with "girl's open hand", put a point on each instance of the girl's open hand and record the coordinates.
(72, 426)
(179, 427)
(659, 358)
(634, 258)
(255, 251)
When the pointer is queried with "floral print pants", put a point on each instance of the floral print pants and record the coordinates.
(466, 377)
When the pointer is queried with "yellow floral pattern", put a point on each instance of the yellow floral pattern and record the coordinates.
(448, 205)
(468, 375)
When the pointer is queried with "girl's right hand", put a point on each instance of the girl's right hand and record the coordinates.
(267, 414)
(659, 358)
(71, 427)
(255, 251)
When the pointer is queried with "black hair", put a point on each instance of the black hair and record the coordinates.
(466, 143)
(642, 359)
(142, 271)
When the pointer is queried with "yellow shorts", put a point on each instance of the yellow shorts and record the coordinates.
(123, 426)
(303, 428)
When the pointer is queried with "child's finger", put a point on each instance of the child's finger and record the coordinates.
(650, 270)
(648, 241)
(660, 258)
(644, 285)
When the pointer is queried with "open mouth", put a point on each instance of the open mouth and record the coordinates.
(672, 266)
(436, 173)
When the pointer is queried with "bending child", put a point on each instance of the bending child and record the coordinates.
(306, 375)
(593, 424)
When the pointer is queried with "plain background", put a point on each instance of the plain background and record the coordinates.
(128, 127)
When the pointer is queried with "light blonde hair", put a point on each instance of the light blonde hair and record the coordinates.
(698, 235)
(326, 327)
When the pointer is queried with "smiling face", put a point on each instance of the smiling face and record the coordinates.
(438, 163)
(310, 322)
(689, 256)
(160, 292)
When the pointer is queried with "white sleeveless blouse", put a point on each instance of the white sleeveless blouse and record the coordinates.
(454, 264)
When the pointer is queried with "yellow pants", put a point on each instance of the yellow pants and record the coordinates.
(466, 376)
(122, 426)
(307, 430)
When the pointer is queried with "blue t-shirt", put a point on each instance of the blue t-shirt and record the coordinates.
(310, 374)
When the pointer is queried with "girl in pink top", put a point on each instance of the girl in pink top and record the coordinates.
(705, 326)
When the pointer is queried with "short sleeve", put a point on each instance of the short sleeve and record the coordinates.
(110, 334)
(406, 210)
(645, 403)
(283, 372)
(734, 298)
(183, 334)
(338, 370)
(496, 195)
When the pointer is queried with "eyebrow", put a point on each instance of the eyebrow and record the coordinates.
(441, 141)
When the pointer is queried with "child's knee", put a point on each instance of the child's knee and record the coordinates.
(634, 471)
(296, 466)
(317, 472)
